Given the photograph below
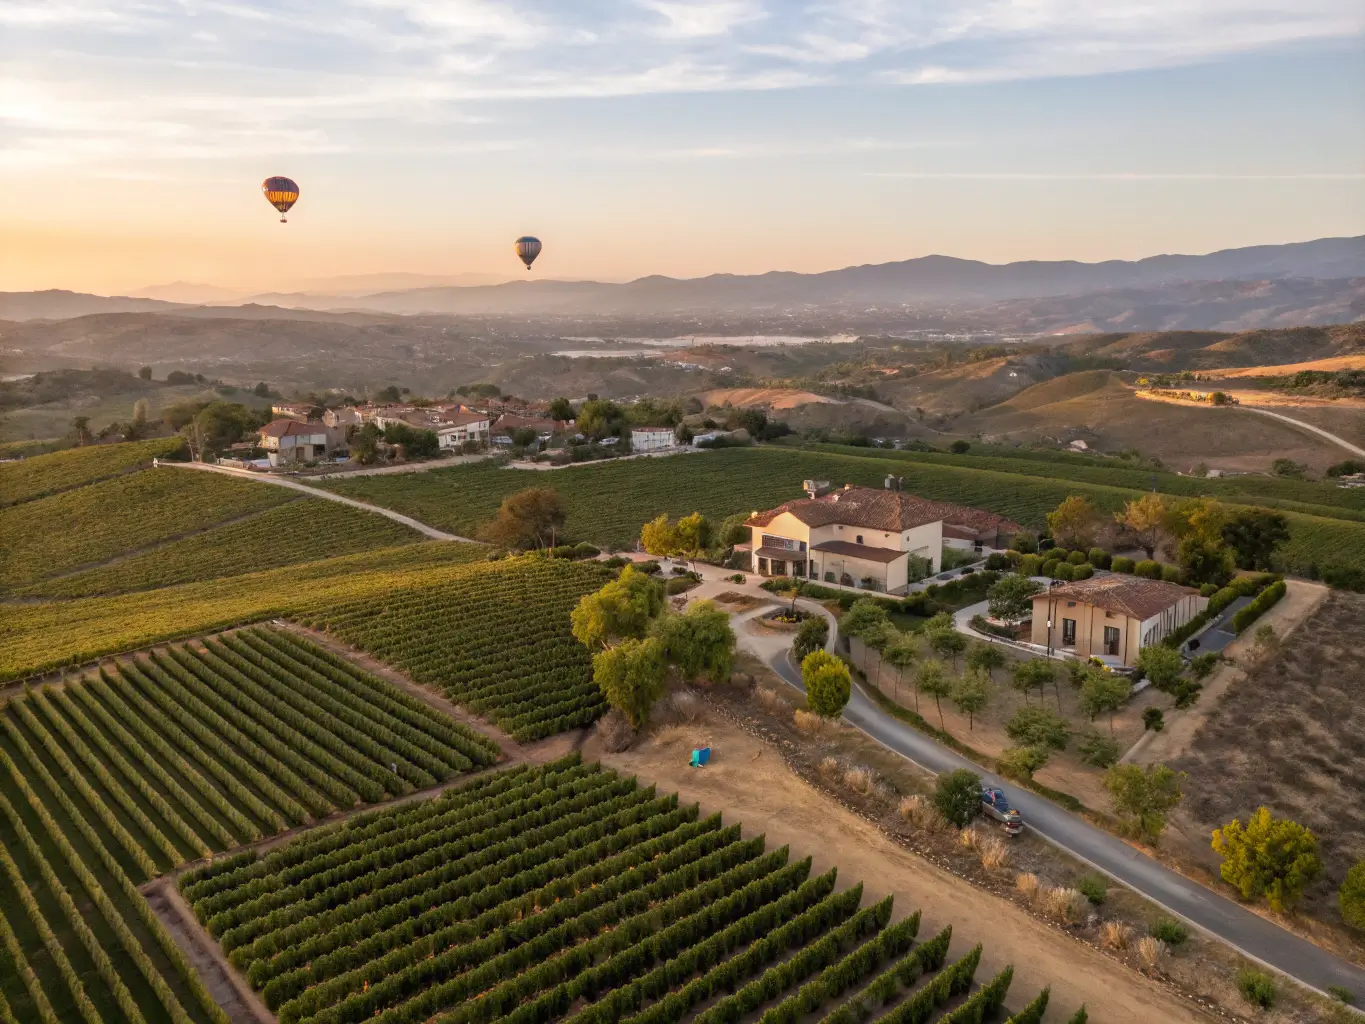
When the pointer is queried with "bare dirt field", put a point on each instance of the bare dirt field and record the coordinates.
(750, 783)
(1288, 736)
(765, 398)
(1099, 408)
(1326, 365)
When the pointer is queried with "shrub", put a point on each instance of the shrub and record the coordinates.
(1341, 994)
(1098, 749)
(1351, 897)
(615, 732)
(1030, 565)
(1153, 719)
(827, 683)
(1120, 564)
(615, 562)
(1257, 988)
(1099, 558)
(1202, 665)
(1208, 589)
(999, 561)
(922, 813)
(1271, 857)
(1150, 951)
(1077, 558)
(994, 854)
(1148, 569)
(1115, 935)
(1036, 725)
(957, 795)
(1067, 905)
(1093, 888)
(811, 635)
(1169, 931)
(1064, 571)
(807, 722)
(1082, 572)
(678, 585)
(1027, 883)
(1170, 573)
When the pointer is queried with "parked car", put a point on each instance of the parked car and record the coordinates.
(997, 807)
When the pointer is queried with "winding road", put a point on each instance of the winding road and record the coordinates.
(1254, 936)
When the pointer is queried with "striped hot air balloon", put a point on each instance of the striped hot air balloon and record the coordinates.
(281, 193)
(528, 249)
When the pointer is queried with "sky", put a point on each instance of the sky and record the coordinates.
(641, 137)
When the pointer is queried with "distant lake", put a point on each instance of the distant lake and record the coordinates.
(692, 341)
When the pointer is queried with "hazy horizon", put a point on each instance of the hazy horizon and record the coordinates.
(654, 137)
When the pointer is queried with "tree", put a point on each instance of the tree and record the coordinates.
(1254, 535)
(140, 414)
(733, 531)
(938, 686)
(902, 654)
(947, 643)
(365, 446)
(970, 694)
(561, 409)
(986, 658)
(1036, 725)
(811, 635)
(599, 417)
(694, 533)
(881, 639)
(1205, 561)
(1146, 518)
(699, 642)
(145, 373)
(960, 447)
(957, 795)
(80, 426)
(261, 390)
(530, 518)
(1011, 597)
(1144, 795)
(1269, 857)
(1074, 522)
(622, 609)
(929, 678)
(1162, 665)
(827, 683)
(1033, 674)
(1351, 897)
(1103, 693)
(1023, 761)
(864, 615)
(631, 676)
(659, 536)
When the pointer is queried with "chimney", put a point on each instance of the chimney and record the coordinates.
(894, 483)
(815, 488)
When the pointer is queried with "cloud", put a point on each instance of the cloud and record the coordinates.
(154, 79)
(1114, 176)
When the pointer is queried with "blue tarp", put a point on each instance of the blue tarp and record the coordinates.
(700, 757)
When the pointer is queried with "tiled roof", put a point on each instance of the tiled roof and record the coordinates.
(979, 521)
(1136, 596)
(863, 551)
(869, 507)
(285, 427)
(463, 419)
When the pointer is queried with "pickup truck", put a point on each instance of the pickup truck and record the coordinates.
(996, 807)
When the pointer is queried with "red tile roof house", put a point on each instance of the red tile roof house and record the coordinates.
(861, 536)
(1111, 617)
(289, 441)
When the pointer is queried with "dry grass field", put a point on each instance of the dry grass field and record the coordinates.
(1289, 736)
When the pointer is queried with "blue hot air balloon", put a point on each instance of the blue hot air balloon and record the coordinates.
(528, 249)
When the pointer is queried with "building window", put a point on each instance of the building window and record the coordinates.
(779, 568)
(763, 567)
(773, 541)
(829, 577)
(859, 538)
(1068, 632)
(1111, 640)
(798, 568)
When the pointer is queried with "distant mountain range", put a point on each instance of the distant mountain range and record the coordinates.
(930, 282)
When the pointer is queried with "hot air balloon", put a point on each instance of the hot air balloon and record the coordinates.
(281, 193)
(528, 249)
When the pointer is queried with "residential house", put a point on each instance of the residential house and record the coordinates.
(463, 428)
(300, 411)
(544, 427)
(287, 441)
(855, 536)
(344, 417)
(1111, 617)
(975, 529)
(651, 439)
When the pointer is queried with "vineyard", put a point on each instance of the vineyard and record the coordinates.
(58, 471)
(299, 531)
(495, 638)
(164, 758)
(566, 892)
(608, 503)
(101, 521)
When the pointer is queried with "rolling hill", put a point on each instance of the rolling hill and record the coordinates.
(1194, 350)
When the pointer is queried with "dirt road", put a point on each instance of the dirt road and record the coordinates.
(751, 784)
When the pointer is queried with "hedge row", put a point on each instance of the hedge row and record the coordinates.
(1263, 603)
(1243, 586)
